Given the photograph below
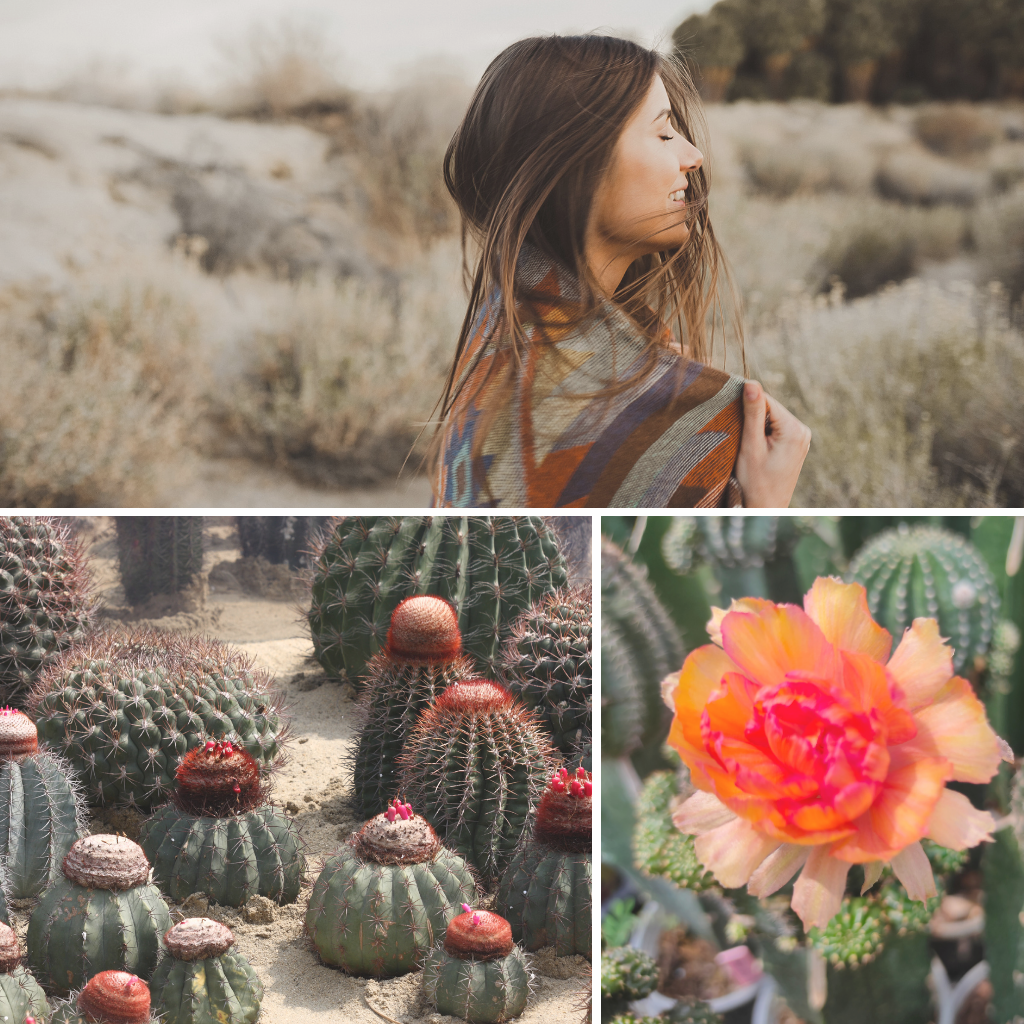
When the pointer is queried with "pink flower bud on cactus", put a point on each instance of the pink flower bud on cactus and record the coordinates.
(588, 788)
(210, 745)
(466, 908)
(575, 788)
(476, 919)
(391, 815)
(564, 772)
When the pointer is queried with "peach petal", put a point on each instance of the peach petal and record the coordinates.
(872, 873)
(921, 664)
(957, 824)
(867, 683)
(669, 685)
(701, 675)
(731, 852)
(777, 869)
(739, 604)
(840, 611)
(701, 813)
(956, 728)
(818, 893)
(914, 870)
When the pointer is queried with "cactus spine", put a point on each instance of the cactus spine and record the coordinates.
(547, 891)
(40, 810)
(21, 996)
(201, 980)
(217, 838)
(104, 915)
(158, 554)
(385, 895)
(45, 600)
(421, 658)
(476, 764)
(477, 973)
(491, 568)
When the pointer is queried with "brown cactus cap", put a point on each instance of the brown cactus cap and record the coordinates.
(397, 837)
(564, 813)
(106, 862)
(478, 935)
(197, 938)
(424, 628)
(115, 997)
(473, 696)
(10, 951)
(18, 735)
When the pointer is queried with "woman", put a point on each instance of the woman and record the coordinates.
(581, 375)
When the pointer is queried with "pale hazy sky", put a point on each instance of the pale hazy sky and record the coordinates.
(42, 42)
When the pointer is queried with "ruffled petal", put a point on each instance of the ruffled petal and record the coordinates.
(818, 893)
(731, 852)
(914, 870)
(777, 869)
(701, 675)
(922, 664)
(840, 611)
(957, 824)
(739, 604)
(872, 873)
(867, 683)
(701, 813)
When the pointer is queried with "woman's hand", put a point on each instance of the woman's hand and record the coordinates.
(769, 465)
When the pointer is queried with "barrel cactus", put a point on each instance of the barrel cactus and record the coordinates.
(124, 708)
(202, 980)
(548, 663)
(41, 813)
(627, 974)
(104, 915)
(932, 573)
(45, 599)
(21, 996)
(386, 894)
(158, 554)
(219, 837)
(491, 568)
(477, 973)
(110, 997)
(546, 892)
(421, 658)
(476, 765)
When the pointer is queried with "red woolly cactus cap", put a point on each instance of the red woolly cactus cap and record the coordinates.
(564, 812)
(218, 779)
(116, 997)
(10, 951)
(18, 735)
(478, 935)
(474, 696)
(424, 628)
(398, 836)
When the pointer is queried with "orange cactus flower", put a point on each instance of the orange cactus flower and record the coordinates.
(812, 748)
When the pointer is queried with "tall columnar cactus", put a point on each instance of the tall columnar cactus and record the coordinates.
(45, 599)
(546, 892)
(104, 915)
(202, 980)
(386, 895)
(476, 765)
(548, 663)
(928, 572)
(491, 568)
(21, 996)
(124, 708)
(41, 812)
(158, 554)
(218, 837)
(110, 997)
(421, 658)
(279, 539)
(477, 973)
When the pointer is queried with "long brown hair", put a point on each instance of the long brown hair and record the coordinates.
(523, 167)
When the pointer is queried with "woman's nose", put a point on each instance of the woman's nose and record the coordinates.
(690, 158)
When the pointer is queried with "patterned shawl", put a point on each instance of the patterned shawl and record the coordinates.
(542, 438)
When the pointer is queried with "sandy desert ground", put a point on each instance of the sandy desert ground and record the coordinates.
(258, 608)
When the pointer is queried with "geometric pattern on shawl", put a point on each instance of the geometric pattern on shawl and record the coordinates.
(548, 440)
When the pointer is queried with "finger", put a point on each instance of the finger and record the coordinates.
(754, 412)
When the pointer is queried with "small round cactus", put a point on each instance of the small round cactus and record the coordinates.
(110, 997)
(855, 935)
(627, 974)
(201, 980)
(477, 973)
(424, 628)
(21, 996)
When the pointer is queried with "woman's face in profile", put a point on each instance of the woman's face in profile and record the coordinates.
(640, 205)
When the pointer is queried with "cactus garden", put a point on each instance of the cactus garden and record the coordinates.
(201, 822)
(769, 855)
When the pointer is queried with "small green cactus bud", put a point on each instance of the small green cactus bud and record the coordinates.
(627, 973)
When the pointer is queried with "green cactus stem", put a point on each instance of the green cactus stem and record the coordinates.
(21, 996)
(477, 973)
(546, 892)
(104, 915)
(158, 554)
(202, 980)
(627, 974)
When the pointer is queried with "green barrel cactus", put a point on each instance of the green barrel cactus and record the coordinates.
(421, 658)
(491, 568)
(385, 896)
(111, 997)
(627, 974)
(476, 765)
(546, 893)
(202, 980)
(45, 599)
(158, 554)
(104, 915)
(549, 664)
(477, 973)
(124, 708)
(21, 996)
(928, 572)
(41, 812)
(218, 836)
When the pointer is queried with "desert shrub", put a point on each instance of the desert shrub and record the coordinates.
(916, 176)
(958, 129)
(800, 166)
(998, 232)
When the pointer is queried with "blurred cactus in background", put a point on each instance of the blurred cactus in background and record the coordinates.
(158, 554)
